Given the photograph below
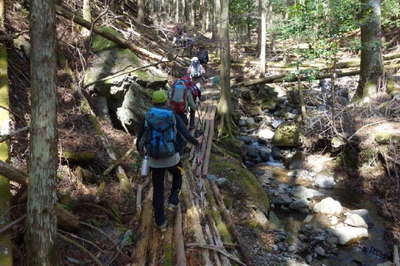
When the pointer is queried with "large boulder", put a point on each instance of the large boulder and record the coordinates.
(355, 220)
(287, 135)
(328, 206)
(347, 234)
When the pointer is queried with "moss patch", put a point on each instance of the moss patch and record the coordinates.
(241, 178)
(100, 44)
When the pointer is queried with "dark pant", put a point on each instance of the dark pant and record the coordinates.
(192, 115)
(158, 193)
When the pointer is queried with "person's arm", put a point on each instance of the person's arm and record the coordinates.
(180, 126)
(202, 70)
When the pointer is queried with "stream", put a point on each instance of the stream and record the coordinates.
(321, 221)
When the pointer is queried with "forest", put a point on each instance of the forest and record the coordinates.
(279, 124)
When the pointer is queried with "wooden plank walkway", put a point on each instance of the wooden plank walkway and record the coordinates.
(196, 231)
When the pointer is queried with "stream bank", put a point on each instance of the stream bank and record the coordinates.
(322, 220)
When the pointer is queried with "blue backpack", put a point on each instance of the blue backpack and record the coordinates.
(160, 133)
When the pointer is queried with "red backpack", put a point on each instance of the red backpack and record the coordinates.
(178, 97)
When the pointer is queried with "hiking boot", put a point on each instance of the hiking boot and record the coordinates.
(163, 226)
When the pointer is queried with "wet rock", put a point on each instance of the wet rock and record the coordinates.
(264, 154)
(242, 122)
(309, 258)
(328, 206)
(276, 153)
(246, 139)
(250, 121)
(346, 234)
(301, 192)
(292, 248)
(276, 123)
(324, 181)
(320, 251)
(265, 133)
(252, 151)
(283, 199)
(221, 181)
(364, 214)
(287, 135)
(355, 220)
(299, 204)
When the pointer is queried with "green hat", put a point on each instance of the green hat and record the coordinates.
(159, 96)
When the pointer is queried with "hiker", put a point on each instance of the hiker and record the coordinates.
(180, 99)
(196, 72)
(157, 139)
(177, 35)
(202, 55)
(196, 94)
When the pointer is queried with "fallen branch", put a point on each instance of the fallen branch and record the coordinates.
(82, 248)
(82, 239)
(119, 161)
(6, 137)
(178, 239)
(217, 249)
(8, 226)
(63, 11)
(13, 173)
(120, 73)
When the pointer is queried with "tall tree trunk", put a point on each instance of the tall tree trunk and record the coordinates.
(140, 14)
(86, 12)
(371, 68)
(263, 32)
(43, 161)
(210, 15)
(203, 14)
(5, 195)
(225, 105)
(177, 11)
(217, 20)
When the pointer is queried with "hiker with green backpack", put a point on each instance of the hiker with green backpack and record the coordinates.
(157, 139)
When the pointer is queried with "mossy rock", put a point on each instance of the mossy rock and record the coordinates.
(242, 178)
(269, 104)
(392, 88)
(287, 135)
(100, 44)
(386, 138)
(232, 146)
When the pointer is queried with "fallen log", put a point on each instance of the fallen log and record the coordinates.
(140, 252)
(13, 173)
(178, 239)
(65, 218)
(63, 11)
(119, 161)
(228, 220)
(287, 78)
(193, 217)
(217, 249)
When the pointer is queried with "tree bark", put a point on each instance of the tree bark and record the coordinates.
(216, 21)
(41, 219)
(140, 14)
(371, 70)
(86, 13)
(224, 105)
(5, 195)
(263, 38)
(2, 13)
